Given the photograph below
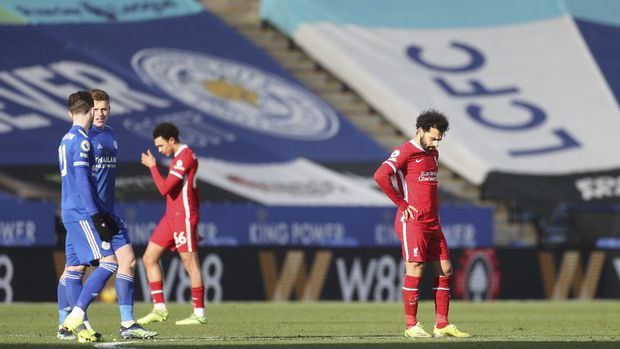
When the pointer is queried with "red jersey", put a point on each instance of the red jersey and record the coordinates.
(416, 174)
(179, 187)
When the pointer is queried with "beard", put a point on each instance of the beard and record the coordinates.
(425, 146)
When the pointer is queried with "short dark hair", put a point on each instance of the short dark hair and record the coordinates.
(99, 95)
(80, 102)
(431, 118)
(166, 131)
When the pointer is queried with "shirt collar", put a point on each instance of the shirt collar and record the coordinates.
(176, 153)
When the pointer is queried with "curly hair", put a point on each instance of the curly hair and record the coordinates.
(166, 131)
(431, 118)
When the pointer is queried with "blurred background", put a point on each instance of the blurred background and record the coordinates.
(292, 105)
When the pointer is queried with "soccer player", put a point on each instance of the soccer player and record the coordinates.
(415, 165)
(105, 148)
(83, 214)
(177, 228)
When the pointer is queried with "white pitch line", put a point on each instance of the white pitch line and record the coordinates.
(113, 344)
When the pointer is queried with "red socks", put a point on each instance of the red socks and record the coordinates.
(198, 294)
(441, 290)
(198, 297)
(157, 291)
(410, 299)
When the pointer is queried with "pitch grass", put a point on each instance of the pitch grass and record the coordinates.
(515, 324)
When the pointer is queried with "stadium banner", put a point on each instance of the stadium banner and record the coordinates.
(518, 107)
(256, 225)
(230, 100)
(27, 223)
(347, 274)
(293, 183)
(545, 194)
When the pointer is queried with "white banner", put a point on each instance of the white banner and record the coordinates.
(522, 98)
(298, 182)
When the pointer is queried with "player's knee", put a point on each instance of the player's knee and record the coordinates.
(132, 263)
(128, 262)
(447, 271)
(78, 268)
(150, 259)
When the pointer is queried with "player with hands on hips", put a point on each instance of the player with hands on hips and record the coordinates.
(414, 164)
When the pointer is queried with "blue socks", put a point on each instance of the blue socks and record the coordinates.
(63, 304)
(73, 286)
(124, 294)
(95, 283)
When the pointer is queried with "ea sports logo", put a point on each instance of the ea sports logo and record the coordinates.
(237, 93)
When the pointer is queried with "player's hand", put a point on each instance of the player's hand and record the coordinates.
(147, 159)
(410, 212)
(111, 223)
(102, 227)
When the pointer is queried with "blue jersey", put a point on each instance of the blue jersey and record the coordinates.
(105, 148)
(75, 157)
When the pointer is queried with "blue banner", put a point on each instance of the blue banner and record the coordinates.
(251, 225)
(25, 223)
(230, 100)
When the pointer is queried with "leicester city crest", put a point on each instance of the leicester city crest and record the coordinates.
(237, 93)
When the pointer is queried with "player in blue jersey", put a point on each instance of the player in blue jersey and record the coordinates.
(90, 229)
(104, 148)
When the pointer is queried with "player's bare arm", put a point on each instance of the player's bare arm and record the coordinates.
(147, 159)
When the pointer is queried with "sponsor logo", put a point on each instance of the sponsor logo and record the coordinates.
(427, 176)
(99, 146)
(416, 251)
(479, 276)
(297, 233)
(17, 232)
(104, 162)
(570, 276)
(294, 275)
(115, 145)
(379, 279)
(237, 93)
(417, 161)
(600, 187)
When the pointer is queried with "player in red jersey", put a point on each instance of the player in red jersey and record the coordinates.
(177, 229)
(415, 165)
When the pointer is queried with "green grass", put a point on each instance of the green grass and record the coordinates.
(344, 325)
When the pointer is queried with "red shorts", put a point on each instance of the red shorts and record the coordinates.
(421, 243)
(177, 232)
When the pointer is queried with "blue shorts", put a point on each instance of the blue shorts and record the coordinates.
(83, 244)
